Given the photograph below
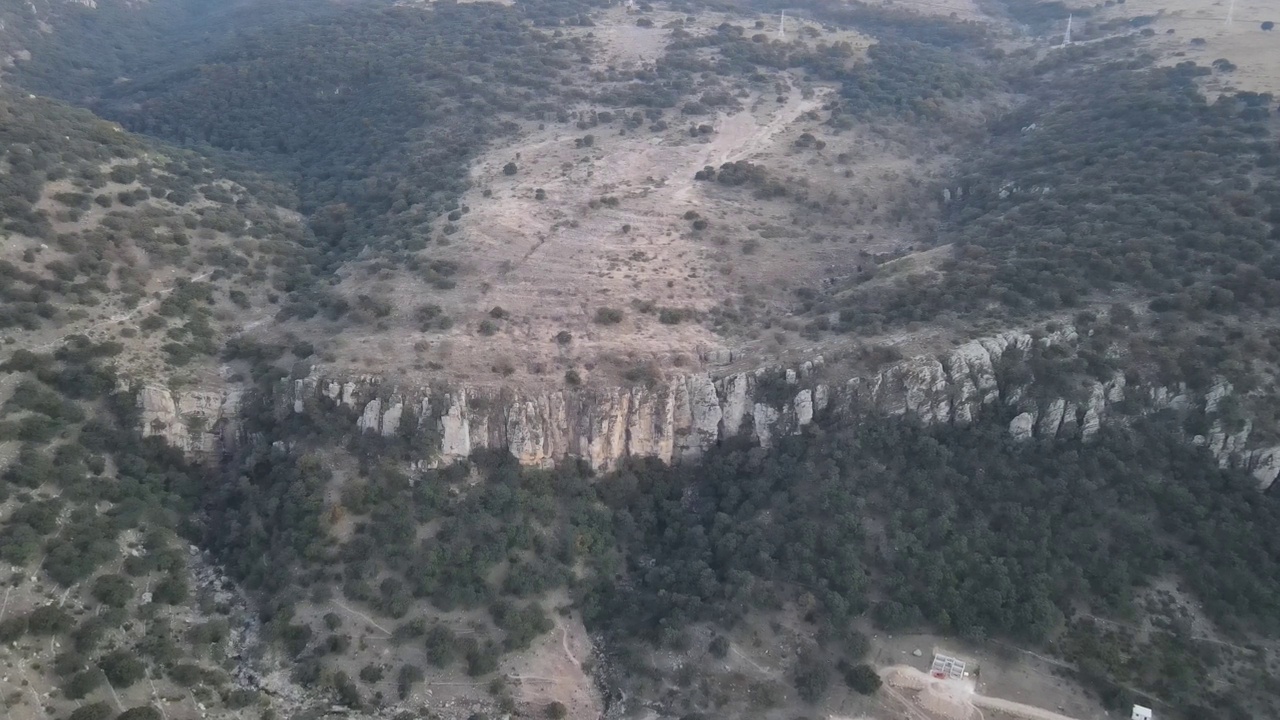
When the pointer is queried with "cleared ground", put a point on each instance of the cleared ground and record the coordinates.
(599, 215)
(1198, 31)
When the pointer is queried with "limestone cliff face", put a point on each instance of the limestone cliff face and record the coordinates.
(201, 423)
(681, 419)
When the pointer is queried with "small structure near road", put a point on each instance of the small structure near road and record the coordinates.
(1140, 713)
(946, 667)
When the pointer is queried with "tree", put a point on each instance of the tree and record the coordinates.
(122, 668)
(510, 169)
(1268, 26)
(441, 646)
(862, 678)
(408, 676)
(172, 590)
(719, 647)
(82, 683)
(145, 712)
(49, 620)
(372, 673)
(812, 676)
(555, 710)
(113, 590)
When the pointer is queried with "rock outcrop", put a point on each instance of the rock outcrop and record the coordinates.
(201, 423)
(679, 420)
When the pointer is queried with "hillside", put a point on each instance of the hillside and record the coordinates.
(566, 359)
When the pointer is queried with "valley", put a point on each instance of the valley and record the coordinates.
(561, 358)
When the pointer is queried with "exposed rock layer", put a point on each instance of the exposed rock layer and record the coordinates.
(681, 419)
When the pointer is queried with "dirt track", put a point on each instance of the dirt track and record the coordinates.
(952, 699)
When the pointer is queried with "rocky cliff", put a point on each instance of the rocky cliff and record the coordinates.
(680, 419)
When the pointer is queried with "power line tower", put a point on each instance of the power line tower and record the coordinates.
(1066, 38)
(782, 26)
(1231, 11)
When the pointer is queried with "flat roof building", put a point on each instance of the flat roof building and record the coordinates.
(946, 667)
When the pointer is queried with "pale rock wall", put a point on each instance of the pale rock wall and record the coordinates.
(691, 413)
(201, 423)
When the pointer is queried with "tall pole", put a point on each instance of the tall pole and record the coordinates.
(1231, 11)
(1066, 39)
(782, 26)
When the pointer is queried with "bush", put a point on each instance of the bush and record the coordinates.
(555, 710)
(409, 676)
(113, 590)
(862, 678)
(172, 590)
(372, 673)
(510, 169)
(145, 712)
(122, 668)
(812, 677)
(719, 647)
(608, 316)
(82, 683)
(12, 629)
(49, 620)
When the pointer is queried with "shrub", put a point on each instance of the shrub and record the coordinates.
(862, 678)
(510, 169)
(608, 316)
(113, 590)
(145, 712)
(372, 673)
(555, 710)
(12, 628)
(49, 620)
(82, 683)
(122, 668)
(671, 316)
(719, 647)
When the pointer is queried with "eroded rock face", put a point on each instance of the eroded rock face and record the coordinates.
(201, 423)
(691, 413)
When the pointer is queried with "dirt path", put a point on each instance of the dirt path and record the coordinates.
(362, 616)
(1015, 708)
(738, 137)
(952, 699)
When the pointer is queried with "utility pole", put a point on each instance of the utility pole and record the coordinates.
(782, 26)
(1066, 39)
(1231, 11)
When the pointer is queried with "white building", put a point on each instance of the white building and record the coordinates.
(1140, 713)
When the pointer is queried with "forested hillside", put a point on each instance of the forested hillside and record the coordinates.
(372, 112)
(1119, 179)
(202, 203)
(962, 530)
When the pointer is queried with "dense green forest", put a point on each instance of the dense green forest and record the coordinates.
(958, 530)
(371, 111)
